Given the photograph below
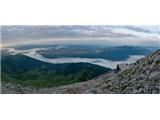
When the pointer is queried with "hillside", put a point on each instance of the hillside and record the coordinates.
(25, 71)
(142, 77)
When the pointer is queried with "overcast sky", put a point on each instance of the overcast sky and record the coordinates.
(90, 34)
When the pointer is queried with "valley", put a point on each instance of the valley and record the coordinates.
(34, 68)
(141, 78)
(27, 71)
(80, 59)
(85, 54)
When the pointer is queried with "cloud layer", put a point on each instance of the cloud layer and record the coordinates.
(99, 34)
(32, 53)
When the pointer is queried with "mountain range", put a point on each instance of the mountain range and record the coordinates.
(140, 77)
(118, 53)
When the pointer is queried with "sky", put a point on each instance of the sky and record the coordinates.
(142, 35)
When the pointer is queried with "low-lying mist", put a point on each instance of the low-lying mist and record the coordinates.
(32, 53)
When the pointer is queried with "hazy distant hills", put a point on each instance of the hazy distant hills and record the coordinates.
(23, 70)
(109, 53)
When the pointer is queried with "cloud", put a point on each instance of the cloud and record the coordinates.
(84, 33)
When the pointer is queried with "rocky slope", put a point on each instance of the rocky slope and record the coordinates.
(141, 77)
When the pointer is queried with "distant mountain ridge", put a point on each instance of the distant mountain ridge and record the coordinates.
(110, 53)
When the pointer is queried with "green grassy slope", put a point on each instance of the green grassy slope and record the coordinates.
(19, 69)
